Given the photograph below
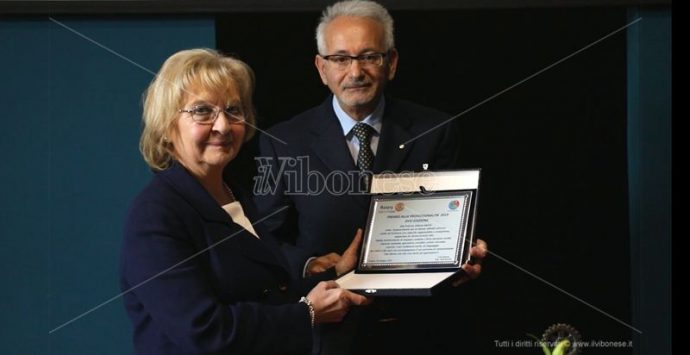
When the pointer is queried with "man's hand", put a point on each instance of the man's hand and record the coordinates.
(342, 264)
(322, 263)
(349, 259)
(473, 268)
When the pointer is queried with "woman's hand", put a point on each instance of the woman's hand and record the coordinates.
(331, 303)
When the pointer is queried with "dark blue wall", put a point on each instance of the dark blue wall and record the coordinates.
(650, 185)
(71, 107)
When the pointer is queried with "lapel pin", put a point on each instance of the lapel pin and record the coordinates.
(425, 166)
(401, 146)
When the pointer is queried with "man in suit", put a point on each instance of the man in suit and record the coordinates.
(318, 162)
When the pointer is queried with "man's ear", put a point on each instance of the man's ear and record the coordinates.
(320, 64)
(392, 63)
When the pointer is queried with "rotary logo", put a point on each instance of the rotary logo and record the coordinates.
(399, 206)
(453, 205)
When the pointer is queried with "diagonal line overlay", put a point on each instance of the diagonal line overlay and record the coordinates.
(522, 81)
(87, 38)
(157, 275)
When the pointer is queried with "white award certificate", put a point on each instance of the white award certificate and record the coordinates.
(418, 231)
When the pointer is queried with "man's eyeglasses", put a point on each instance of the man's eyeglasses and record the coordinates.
(207, 114)
(342, 61)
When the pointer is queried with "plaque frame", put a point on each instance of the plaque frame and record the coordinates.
(415, 279)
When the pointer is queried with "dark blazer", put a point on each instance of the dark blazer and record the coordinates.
(311, 145)
(196, 283)
(324, 213)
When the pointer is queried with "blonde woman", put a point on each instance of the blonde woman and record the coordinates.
(200, 274)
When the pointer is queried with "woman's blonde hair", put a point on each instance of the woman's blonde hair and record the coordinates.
(205, 68)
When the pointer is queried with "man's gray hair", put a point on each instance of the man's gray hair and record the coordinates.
(355, 8)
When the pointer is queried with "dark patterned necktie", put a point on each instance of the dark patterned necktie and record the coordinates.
(365, 158)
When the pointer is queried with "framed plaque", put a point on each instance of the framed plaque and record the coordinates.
(415, 240)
